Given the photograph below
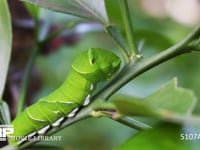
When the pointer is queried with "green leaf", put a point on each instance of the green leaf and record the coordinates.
(163, 137)
(169, 103)
(153, 41)
(94, 9)
(4, 113)
(33, 10)
(132, 106)
(172, 98)
(5, 43)
(115, 34)
(114, 13)
(45, 147)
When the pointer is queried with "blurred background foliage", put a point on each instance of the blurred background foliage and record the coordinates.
(155, 31)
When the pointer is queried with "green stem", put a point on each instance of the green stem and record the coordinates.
(142, 66)
(24, 84)
(109, 110)
(31, 61)
(116, 36)
(133, 123)
(128, 28)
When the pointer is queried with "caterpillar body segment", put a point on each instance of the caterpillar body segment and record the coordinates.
(89, 68)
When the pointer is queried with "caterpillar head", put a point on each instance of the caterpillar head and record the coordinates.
(97, 64)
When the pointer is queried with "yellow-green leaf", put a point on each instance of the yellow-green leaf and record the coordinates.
(94, 9)
(5, 43)
(169, 103)
(163, 137)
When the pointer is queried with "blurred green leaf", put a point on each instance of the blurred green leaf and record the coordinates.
(4, 113)
(173, 98)
(169, 103)
(153, 40)
(115, 34)
(33, 10)
(132, 106)
(5, 42)
(94, 10)
(163, 137)
(114, 13)
(45, 147)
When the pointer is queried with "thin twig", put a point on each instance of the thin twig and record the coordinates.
(133, 50)
(115, 35)
(24, 84)
(29, 66)
(134, 123)
(106, 109)
(137, 69)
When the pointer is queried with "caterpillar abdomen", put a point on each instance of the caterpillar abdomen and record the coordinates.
(88, 69)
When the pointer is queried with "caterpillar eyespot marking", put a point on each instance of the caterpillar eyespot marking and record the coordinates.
(93, 61)
(88, 69)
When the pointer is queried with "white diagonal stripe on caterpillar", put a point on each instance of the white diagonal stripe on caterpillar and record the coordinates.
(87, 100)
(91, 87)
(73, 112)
(43, 130)
(57, 122)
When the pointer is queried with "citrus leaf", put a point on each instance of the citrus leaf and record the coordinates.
(114, 13)
(4, 113)
(5, 42)
(169, 103)
(94, 9)
(132, 106)
(172, 98)
(153, 41)
(33, 10)
(164, 136)
(116, 35)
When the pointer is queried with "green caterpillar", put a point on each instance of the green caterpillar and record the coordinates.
(91, 67)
